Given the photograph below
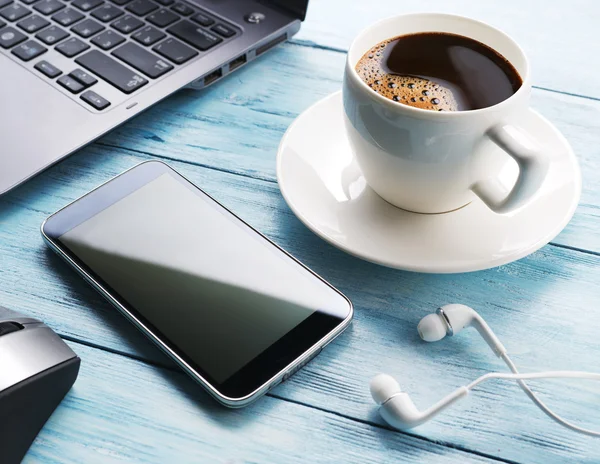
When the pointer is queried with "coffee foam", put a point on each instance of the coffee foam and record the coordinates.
(409, 90)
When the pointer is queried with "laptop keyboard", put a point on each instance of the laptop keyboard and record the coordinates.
(82, 45)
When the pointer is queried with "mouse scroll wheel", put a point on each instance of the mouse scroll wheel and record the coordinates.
(9, 327)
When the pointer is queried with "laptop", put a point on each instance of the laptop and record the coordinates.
(71, 70)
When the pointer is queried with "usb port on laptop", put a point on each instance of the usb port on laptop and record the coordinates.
(213, 76)
(240, 60)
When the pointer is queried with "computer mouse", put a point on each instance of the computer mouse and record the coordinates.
(37, 369)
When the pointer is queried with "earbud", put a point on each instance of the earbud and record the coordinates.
(396, 407)
(451, 319)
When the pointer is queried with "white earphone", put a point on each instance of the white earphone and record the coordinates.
(398, 410)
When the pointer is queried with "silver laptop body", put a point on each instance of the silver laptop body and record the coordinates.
(45, 118)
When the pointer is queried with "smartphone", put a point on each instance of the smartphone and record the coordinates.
(235, 311)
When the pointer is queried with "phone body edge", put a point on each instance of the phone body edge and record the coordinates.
(221, 398)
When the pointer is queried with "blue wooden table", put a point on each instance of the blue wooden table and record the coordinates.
(131, 404)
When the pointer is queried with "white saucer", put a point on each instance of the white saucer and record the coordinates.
(322, 183)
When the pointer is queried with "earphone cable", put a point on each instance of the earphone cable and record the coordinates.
(540, 404)
(540, 375)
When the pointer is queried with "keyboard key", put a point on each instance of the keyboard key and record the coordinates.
(107, 13)
(202, 19)
(87, 5)
(182, 9)
(127, 24)
(175, 51)
(33, 24)
(14, 12)
(83, 78)
(95, 100)
(72, 47)
(29, 50)
(67, 17)
(3, 3)
(223, 30)
(10, 37)
(148, 35)
(162, 18)
(107, 40)
(195, 36)
(48, 69)
(52, 35)
(47, 7)
(142, 60)
(70, 84)
(120, 2)
(111, 71)
(141, 7)
(87, 28)
(166, 2)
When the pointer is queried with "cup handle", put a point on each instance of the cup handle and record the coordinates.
(533, 167)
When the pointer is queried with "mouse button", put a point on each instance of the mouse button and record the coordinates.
(28, 352)
(9, 327)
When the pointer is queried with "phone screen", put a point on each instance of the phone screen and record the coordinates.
(216, 290)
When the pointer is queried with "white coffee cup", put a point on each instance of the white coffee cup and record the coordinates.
(434, 162)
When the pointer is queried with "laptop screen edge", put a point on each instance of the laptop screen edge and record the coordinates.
(296, 7)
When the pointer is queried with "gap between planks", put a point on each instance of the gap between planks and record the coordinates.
(175, 369)
(274, 181)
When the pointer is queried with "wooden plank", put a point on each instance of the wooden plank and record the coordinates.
(121, 410)
(236, 125)
(560, 39)
(540, 306)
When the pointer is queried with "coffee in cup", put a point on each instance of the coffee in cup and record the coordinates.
(439, 71)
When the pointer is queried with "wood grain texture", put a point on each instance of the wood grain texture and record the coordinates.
(561, 39)
(526, 302)
(121, 410)
(236, 125)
